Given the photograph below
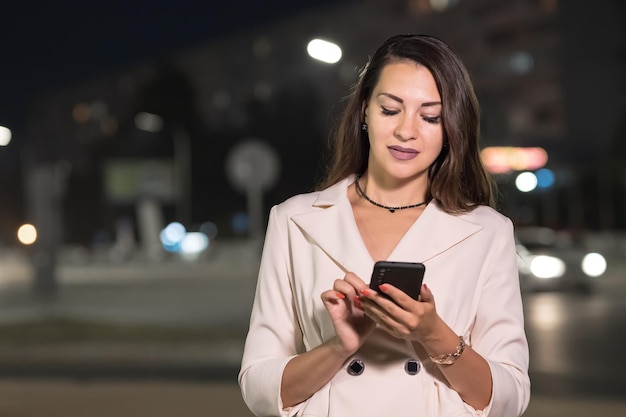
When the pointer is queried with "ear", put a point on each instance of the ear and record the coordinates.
(364, 112)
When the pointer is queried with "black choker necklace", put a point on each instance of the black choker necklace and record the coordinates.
(391, 209)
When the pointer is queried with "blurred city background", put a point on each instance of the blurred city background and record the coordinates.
(143, 143)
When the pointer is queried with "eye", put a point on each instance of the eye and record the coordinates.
(388, 112)
(433, 120)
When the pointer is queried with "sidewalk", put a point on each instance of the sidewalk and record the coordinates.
(106, 398)
(167, 380)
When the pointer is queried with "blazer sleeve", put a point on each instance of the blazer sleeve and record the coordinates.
(274, 335)
(498, 332)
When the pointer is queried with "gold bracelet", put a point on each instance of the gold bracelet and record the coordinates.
(449, 358)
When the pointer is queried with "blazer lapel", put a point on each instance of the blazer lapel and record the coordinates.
(332, 227)
(433, 233)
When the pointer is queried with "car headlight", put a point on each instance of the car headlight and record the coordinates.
(594, 264)
(543, 266)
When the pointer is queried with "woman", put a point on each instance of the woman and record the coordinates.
(406, 184)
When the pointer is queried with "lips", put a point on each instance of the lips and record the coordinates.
(401, 153)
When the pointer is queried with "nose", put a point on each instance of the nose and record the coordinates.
(406, 129)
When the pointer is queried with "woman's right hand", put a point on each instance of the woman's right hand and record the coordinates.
(307, 372)
(352, 326)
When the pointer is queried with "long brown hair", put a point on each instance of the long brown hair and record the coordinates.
(458, 181)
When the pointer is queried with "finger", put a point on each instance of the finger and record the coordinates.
(396, 294)
(401, 299)
(345, 288)
(386, 312)
(383, 302)
(378, 307)
(357, 302)
(354, 280)
(393, 321)
(426, 295)
(332, 296)
(381, 317)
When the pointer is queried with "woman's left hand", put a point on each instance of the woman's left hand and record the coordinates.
(404, 317)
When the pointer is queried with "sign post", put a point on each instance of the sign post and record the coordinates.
(253, 168)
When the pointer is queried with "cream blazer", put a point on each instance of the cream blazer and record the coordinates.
(471, 268)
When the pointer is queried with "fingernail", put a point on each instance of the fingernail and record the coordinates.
(365, 291)
(357, 302)
(383, 287)
(340, 295)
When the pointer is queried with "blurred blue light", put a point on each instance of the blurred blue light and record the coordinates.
(240, 223)
(172, 236)
(209, 229)
(545, 178)
(172, 246)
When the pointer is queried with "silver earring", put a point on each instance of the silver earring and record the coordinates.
(364, 127)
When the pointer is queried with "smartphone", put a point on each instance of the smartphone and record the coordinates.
(406, 276)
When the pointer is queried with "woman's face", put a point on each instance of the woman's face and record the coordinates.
(404, 122)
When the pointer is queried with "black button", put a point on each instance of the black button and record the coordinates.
(412, 367)
(356, 367)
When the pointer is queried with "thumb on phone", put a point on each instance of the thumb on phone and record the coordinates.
(426, 296)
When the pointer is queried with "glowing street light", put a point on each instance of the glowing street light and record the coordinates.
(27, 234)
(5, 136)
(324, 51)
(526, 182)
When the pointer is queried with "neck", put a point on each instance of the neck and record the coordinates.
(391, 207)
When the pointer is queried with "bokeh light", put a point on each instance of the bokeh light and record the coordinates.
(149, 122)
(545, 178)
(5, 136)
(594, 264)
(27, 234)
(503, 159)
(172, 236)
(526, 181)
(324, 51)
(194, 243)
(209, 229)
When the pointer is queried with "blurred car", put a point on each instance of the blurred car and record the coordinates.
(550, 261)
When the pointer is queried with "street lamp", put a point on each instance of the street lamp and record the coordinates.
(5, 136)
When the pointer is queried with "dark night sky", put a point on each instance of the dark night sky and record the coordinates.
(47, 44)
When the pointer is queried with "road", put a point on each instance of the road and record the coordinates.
(577, 340)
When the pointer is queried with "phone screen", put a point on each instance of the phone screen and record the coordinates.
(406, 276)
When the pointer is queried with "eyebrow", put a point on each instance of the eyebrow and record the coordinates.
(399, 100)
